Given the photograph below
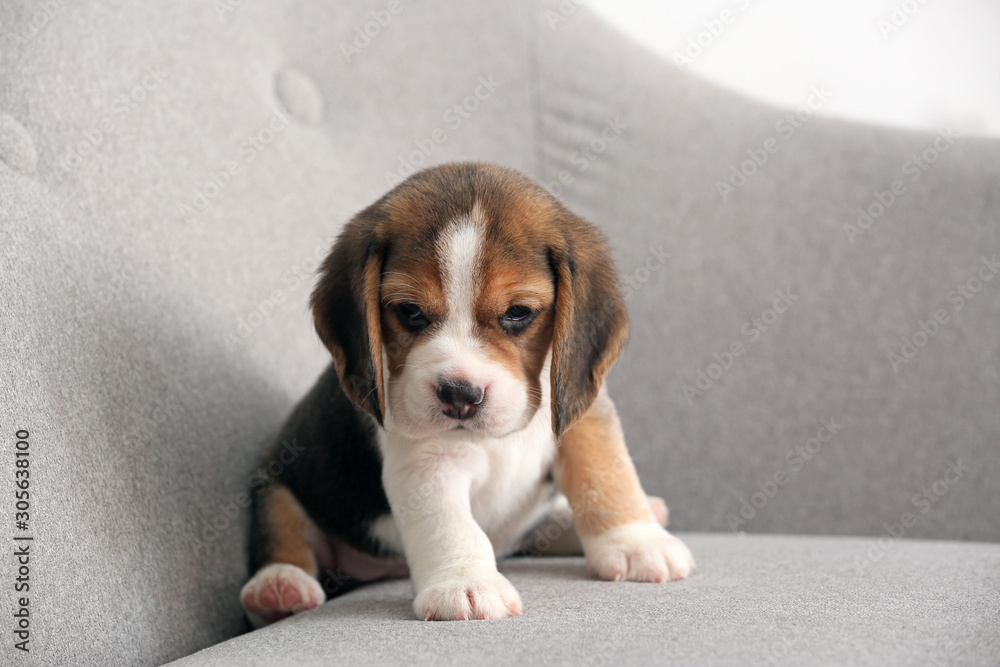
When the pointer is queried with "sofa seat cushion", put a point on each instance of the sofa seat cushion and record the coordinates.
(754, 600)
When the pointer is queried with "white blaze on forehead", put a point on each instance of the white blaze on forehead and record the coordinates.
(459, 256)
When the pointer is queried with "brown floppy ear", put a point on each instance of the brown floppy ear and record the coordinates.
(591, 323)
(346, 312)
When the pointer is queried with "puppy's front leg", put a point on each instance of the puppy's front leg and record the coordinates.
(452, 562)
(620, 535)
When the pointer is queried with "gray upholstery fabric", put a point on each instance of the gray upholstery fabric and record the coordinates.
(826, 357)
(171, 174)
(756, 600)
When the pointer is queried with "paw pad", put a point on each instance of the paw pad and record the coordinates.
(279, 590)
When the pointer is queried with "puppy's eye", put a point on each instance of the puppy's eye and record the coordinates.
(517, 313)
(411, 317)
(517, 319)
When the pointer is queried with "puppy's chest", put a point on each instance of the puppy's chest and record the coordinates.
(515, 479)
(509, 480)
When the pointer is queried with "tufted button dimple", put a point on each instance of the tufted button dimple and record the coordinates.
(299, 95)
(17, 148)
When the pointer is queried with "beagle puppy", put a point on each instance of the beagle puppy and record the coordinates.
(472, 319)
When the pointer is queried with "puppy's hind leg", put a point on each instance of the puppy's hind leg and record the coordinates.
(282, 558)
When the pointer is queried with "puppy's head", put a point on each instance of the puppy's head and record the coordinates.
(444, 302)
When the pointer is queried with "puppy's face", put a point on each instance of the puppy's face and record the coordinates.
(444, 303)
(466, 317)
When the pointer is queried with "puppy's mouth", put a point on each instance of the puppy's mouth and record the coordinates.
(483, 427)
(465, 425)
(460, 426)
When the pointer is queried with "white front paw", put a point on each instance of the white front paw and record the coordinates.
(464, 597)
(638, 551)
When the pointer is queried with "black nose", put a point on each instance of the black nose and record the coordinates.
(459, 399)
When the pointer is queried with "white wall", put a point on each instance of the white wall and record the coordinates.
(940, 67)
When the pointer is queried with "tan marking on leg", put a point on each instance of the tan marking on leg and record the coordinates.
(288, 529)
(597, 474)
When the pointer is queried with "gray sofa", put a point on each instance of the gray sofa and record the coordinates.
(812, 380)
